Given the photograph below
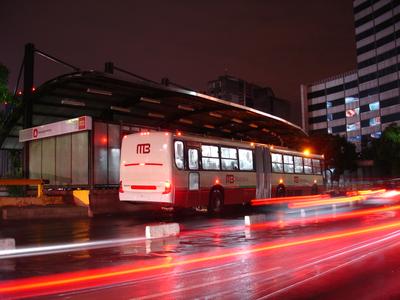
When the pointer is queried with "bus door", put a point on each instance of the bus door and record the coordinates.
(193, 176)
(263, 172)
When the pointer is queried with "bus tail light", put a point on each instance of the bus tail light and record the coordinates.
(121, 189)
(167, 187)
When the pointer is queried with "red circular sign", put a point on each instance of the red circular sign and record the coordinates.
(35, 133)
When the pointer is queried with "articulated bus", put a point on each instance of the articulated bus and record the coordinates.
(184, 171)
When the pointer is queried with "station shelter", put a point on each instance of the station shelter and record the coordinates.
(79, 119)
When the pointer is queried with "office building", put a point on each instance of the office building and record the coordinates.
(360, 104)
(241, 92)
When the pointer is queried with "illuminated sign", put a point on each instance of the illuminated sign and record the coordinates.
(58, 128)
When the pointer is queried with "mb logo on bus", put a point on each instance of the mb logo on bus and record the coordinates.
(143, 148)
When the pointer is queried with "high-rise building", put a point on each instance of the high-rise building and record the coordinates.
(241, 92)
(361, 103)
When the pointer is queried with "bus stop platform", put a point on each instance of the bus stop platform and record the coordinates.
(43, 212)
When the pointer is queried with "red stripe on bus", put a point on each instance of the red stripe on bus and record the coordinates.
(143, 164)
(143, 187)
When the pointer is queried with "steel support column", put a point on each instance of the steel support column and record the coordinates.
(27, 98)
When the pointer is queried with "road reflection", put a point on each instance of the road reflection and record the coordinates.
(295, 246)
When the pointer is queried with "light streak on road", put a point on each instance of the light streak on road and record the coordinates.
(370, 192)
(55, 249)
(64, 248)
(281, 200)
(327, 217)
(336, 200)
(391, 236)
(390, 194)
(79, 280)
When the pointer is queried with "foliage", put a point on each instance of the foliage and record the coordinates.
(387, 151)
(5, 95)
(339, 154)
(7, 101)
(16, 172)
(3, 74)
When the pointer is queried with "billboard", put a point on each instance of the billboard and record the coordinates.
(58, 128)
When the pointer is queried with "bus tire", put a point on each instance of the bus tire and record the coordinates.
(216, 202)
(314, 189)
(281, 191)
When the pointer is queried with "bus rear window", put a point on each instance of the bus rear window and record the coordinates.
(210, 157)
(179, 154)
(245, 159)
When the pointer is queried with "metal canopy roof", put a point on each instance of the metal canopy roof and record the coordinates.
(107, 97)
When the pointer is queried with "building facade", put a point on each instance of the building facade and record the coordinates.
(241, 92)
(360, 104)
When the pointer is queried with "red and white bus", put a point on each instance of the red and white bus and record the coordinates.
(182, 171)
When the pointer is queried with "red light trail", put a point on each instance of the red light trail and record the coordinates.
(85, 279)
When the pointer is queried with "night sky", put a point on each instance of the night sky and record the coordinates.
(273, 43)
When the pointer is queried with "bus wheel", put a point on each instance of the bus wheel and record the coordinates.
(216, 202)
(280, 191)
(314, 189)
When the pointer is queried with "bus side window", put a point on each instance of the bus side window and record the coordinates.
(307, 166)
(316, 166)
(246, 160)
(288, 163)
(210, 157)
(298, 164)
(277, 165)
(179, 157)
(193, 158)
(229, 159)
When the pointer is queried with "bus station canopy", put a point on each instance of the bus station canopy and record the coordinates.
(107, 97)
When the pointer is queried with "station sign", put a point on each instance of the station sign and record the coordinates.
(58, 128)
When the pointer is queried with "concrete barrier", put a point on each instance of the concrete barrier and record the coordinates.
(254, 219)
(7, 244)
(162, 230)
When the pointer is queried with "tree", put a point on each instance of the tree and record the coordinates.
(339, 154)
(387, 151)
(5, 96)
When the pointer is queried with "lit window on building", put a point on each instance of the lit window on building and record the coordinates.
(376, 135)
(329, 129)
(352, 127)
(374, 121)
(328, 104)
(374, 105)
(348, 100)
(329, 117)
(354, 139)
(352, 112)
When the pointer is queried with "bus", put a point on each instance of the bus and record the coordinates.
(186, 171)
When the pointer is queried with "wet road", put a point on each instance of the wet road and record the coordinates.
(331, 252)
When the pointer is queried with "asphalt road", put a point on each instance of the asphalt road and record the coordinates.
(346, 252)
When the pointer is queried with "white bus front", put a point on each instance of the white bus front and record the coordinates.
(146, 168)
